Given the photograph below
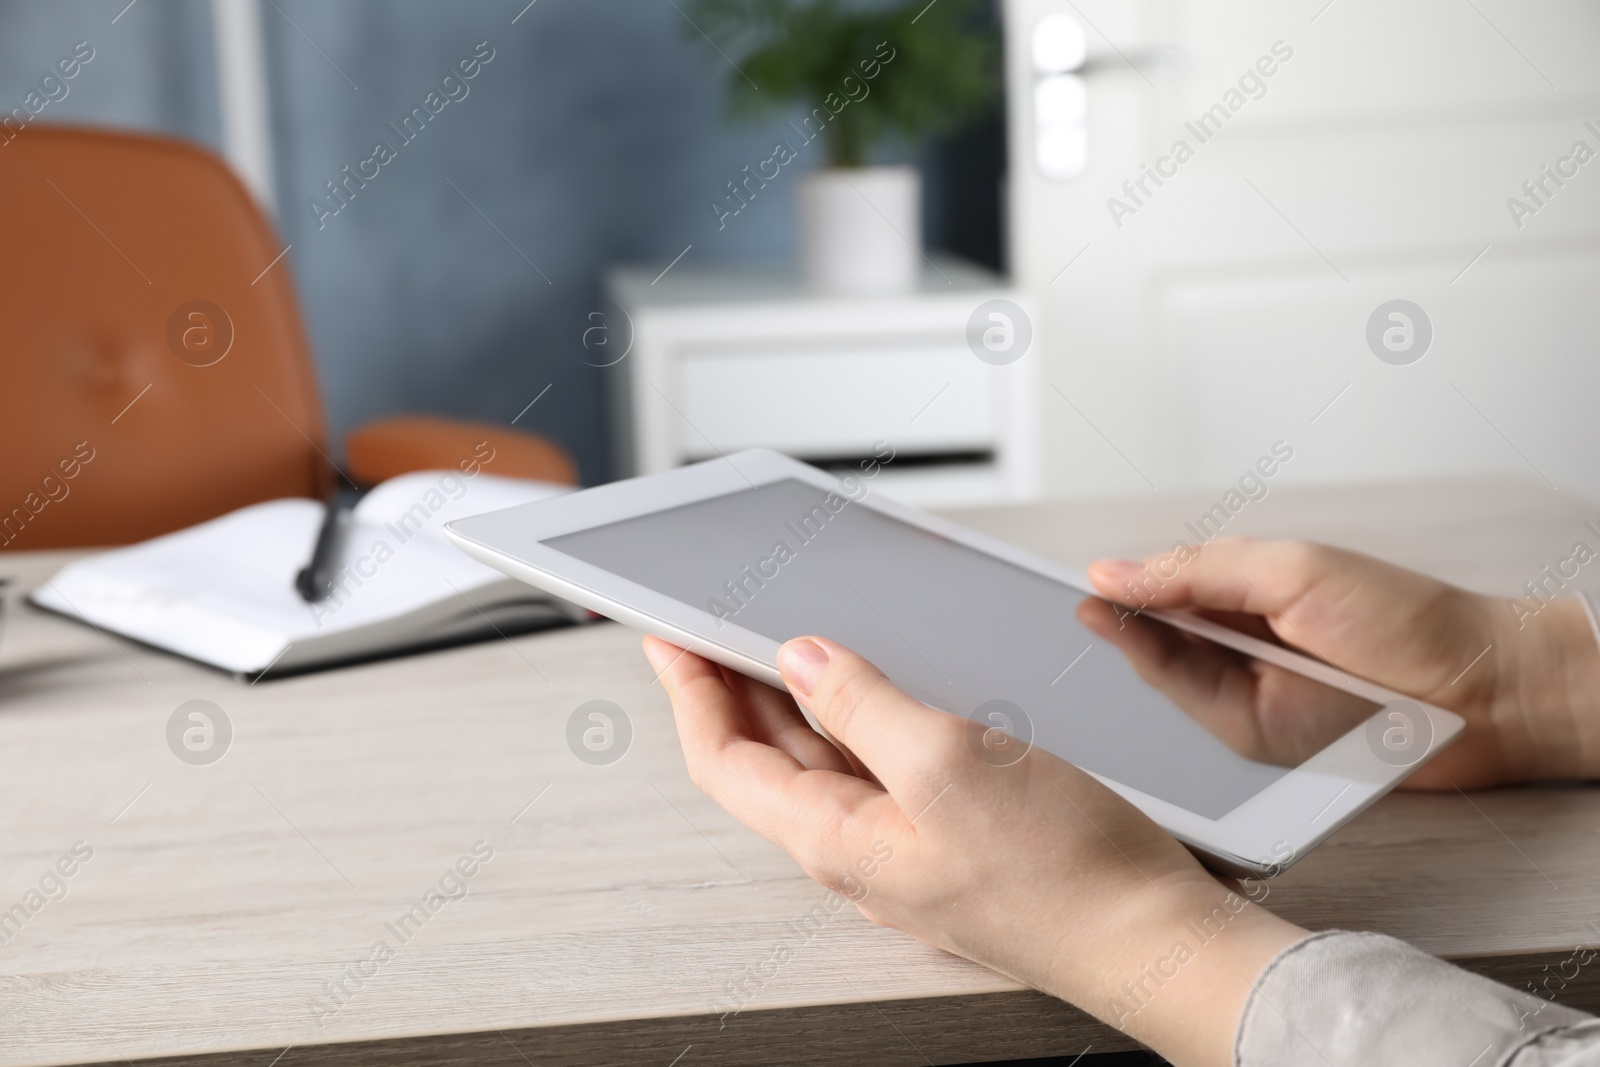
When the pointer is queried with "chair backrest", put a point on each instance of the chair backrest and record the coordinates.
(153, 368)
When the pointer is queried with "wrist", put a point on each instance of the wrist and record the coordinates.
(1554, 693)
(1179, 963)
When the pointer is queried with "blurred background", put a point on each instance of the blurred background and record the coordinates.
(598, 135)
(1180, 325)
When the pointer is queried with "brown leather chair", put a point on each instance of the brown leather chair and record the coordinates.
(154, 371)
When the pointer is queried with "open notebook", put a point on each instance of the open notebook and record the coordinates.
(223, 592)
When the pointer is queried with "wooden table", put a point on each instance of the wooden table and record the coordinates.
(619, 905)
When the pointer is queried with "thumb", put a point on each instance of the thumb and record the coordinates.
(894, 735)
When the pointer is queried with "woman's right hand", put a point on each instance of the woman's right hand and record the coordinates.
(1528, 685)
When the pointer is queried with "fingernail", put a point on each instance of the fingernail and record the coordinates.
(659, 655)
(802, 662)
(1118, 570)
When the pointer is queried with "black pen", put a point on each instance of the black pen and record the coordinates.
(315, 580)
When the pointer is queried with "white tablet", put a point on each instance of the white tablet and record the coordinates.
(1248, 753)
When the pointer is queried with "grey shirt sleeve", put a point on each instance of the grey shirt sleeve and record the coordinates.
(1366, 1000)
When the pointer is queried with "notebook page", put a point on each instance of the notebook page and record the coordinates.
(223, 591)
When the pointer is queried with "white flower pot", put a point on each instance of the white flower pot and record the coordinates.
(861, 229)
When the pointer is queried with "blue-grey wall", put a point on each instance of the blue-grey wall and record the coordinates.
(595, 135)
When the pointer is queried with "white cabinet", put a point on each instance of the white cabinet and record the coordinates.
(742, 357)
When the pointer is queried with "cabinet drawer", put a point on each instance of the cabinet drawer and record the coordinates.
(838, 401)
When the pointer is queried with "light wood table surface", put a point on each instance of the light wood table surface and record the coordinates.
(620, 904)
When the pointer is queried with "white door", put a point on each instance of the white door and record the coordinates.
(1339, 156)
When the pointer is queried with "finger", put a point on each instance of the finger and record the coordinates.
(1229, 574)
(1260, 711)
(821, 817)
(775, 720)
(898, 738)
(1192, 673)
(1403, 629)
(1250, 625)
(1299, 717)
(1213, 685)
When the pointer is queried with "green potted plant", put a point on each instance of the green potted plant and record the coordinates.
(861, 74)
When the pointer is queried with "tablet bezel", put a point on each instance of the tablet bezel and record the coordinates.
(1262, 836)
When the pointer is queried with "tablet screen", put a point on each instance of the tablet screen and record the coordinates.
(1123, 695)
